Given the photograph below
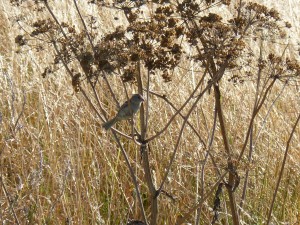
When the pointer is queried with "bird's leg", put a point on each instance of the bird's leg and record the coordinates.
(135, 133)
(132, 127)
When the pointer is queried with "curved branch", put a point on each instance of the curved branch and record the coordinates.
(85, 27)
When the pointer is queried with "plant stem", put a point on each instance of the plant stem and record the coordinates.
(282, 169)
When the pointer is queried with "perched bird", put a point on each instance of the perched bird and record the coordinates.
(127, 110)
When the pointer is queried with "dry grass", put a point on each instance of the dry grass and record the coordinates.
(60, 167)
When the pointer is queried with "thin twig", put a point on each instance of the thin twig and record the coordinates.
(85, 27)
(22, 111)
(9, 200)
(191, 126)
(260, 104)
(148, 101)
(133, 176)
(205, 160)
(282, 169)
(180, 109)
(180, 113)
(268, 113)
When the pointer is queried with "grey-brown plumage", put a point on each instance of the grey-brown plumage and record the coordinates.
(126, 111)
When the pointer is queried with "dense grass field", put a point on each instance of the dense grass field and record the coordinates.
(59, 166)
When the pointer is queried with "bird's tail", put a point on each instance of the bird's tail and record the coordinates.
(107, 125)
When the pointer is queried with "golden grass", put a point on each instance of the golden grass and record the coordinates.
(62, 168)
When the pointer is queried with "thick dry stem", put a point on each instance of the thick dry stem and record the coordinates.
(144, 152)
(232, 178)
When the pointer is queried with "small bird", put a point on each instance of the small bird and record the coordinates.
(127, 110)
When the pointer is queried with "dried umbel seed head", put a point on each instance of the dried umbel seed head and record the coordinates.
(76, 82)
(86, 61)
(47, 71)
(188, 9)
(130, 74)
(167, 76)
(42, 27)
(211, 18)
(20, 40)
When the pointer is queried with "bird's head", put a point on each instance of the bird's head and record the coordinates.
(137, 98)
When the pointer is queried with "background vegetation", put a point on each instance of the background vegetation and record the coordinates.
(59, 166)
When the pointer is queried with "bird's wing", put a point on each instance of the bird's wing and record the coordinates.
(125, 104)
(125, 110)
